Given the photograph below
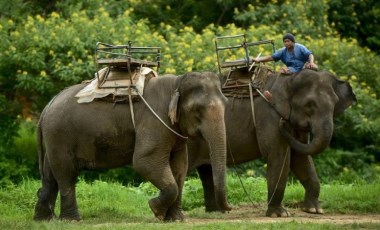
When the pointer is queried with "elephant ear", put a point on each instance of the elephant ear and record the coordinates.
(173, 107)
(279, 87)
(345, 94)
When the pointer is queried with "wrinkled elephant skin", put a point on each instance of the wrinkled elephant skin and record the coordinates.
(100, 135)
(309, 100)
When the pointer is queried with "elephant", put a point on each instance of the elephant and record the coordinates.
(100, 135)
(293, 121)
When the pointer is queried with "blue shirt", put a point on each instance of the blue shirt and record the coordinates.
(293, 60)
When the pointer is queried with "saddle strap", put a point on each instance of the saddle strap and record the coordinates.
(252, 105)
(131, 107)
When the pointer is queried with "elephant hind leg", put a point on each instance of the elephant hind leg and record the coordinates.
(66, 175)
(47, 195)
(205, 174)
(44, 208)
(69, 207)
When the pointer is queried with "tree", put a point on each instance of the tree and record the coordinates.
(357, 19)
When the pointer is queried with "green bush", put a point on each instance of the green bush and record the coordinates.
(346, 166)
(19, 161)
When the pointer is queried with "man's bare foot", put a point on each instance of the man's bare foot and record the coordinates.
(268, 95)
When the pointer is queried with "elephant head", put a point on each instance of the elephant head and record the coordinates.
(201, 113)
(308, 101)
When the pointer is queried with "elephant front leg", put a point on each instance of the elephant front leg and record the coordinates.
(154, 166)
(277, 174)
(159, 204)
(303, 168)
(178, 165)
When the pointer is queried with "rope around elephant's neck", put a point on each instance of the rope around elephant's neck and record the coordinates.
(158, 117)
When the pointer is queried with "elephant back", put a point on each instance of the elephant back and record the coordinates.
(236, 82)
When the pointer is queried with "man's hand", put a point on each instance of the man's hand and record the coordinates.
(255, 60)
(285, 70)
(311, 65)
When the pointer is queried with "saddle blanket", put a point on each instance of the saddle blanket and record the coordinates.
(115, 79)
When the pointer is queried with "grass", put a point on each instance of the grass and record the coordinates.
(113, 206)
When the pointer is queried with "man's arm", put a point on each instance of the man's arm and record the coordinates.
(311, 59)
(263, 59)
(311, 64)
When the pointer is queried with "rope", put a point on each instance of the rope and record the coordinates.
(131, 107)
(155, 114)
(130, 98)
(241, 182)
(252, 105)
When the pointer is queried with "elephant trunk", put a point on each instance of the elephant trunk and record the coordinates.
(321, 134)
(214, 132)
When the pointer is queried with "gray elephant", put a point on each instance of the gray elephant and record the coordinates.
(100, 135)
(300, 106)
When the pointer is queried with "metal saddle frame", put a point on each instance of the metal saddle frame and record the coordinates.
(125, 58)
(243, 64)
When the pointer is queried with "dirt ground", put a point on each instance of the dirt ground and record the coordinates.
(248, 213)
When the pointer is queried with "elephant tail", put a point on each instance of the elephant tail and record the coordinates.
(40, 146)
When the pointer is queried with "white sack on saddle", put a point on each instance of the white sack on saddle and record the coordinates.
(92, 91)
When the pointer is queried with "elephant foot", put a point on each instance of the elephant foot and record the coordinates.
(277, 212)
(213, 209)
(313, 210)
(211, 206)
(216, 208)
(156, 207)
(42, 212)
(227, 207)
(312, 206)
(70, 216)
(174, 215)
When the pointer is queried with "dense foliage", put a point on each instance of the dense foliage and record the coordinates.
(48, 45)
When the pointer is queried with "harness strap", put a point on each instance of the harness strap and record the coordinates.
(252, 104)
(131, 107)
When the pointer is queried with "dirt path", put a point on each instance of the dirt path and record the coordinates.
(257, 215)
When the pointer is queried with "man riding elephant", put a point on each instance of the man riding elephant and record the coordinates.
(294, 55)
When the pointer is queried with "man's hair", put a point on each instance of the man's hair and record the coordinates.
(289, 36)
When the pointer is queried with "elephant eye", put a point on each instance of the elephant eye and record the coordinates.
(310, 104)
(309, 107)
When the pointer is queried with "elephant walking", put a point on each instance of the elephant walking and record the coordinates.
(100, 135)
(307, 103)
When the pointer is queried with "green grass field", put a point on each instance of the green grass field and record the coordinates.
(107, 205)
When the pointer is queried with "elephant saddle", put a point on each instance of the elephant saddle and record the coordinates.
(116, 84)
(239, 80)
